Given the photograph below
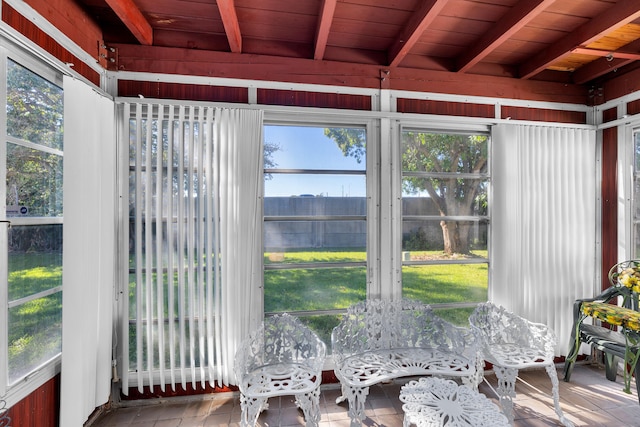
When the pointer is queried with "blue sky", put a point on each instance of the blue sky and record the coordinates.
(308, 148)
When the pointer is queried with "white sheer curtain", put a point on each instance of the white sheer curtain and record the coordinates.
(239, 134)
(88, 252)
(543, 222)
(195, 203)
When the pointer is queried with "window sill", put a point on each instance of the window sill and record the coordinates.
(31, 382)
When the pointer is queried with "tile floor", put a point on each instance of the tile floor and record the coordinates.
(588, 400)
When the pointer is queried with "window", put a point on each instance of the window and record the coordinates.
(445, 185)
(33, 203)
(636, 193)
(315, 222)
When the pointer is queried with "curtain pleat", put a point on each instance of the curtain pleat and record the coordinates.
(543, 230)
(196, 187)
(89, 252)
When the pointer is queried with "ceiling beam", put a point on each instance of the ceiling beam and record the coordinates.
(208, 64)
(327, 11)
(615, 17)
(607, 64)
(411, 32)
(516, 18)
(229, 17)
(133, 19)
(607, 54)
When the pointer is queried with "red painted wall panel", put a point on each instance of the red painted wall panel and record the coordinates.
(40, 409)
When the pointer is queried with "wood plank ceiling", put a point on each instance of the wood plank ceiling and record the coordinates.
(572, 41)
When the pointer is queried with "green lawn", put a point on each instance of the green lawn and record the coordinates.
(308, 289)
(35, 327)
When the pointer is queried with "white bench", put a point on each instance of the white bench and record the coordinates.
(378, 341)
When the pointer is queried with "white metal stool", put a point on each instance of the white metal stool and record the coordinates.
(436, 402)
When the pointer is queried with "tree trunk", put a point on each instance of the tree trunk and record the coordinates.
(456, 237)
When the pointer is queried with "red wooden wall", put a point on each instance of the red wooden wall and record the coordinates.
(40, 409)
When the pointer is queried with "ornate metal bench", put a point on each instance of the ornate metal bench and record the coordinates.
(379, 340)
(622, 337)
(282, 357)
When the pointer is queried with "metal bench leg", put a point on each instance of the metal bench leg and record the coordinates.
(251, 408)
(356, 397)
(310, 405)
(553, 375)
(506, 389)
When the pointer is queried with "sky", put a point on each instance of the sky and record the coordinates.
(308, 148)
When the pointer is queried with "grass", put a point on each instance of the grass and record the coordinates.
(309, 289)
(35, 327)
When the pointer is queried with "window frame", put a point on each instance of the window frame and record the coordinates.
(27, 383)
(428, 127)
(370, 172)
(632, 234)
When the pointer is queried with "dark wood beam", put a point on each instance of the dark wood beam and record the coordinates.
(229, 17)
(411, 33)
(192, 62)
(606, 64)
(615, 17)
(517, 17)
(133, 19)
(324, 25)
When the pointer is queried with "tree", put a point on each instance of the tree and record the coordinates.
(34, 115)
(269, 148)
(447, 159)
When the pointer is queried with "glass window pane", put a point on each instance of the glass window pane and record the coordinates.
(445, 283)
(636, 199)
(35, 259)
(308, 289)
(306, 185)
(318, 173)
(286, 236)
(35, 334)
(300, 147)
(636, 137)
(444, 152)
(34, 107)
(426, 239)
(433, 196)
(34, 182)
(292, 256)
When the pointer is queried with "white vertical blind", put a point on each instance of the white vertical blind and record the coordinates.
(89, 251)
(543, 229)
(196, 188)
